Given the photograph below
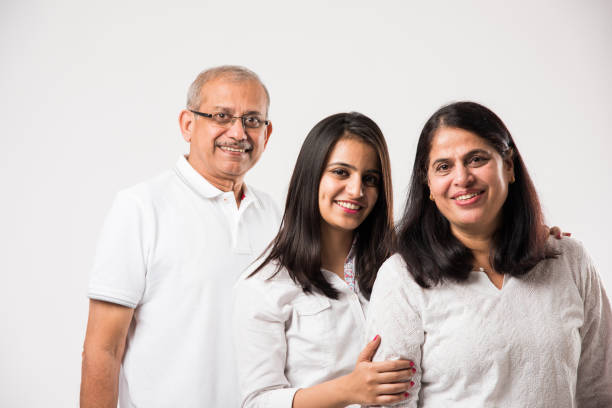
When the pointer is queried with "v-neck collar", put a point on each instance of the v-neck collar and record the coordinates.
(482, 281)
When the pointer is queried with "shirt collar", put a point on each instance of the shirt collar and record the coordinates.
(249, 197)
(204, 188)
(194, 180)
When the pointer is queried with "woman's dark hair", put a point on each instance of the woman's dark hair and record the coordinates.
(297, 246)
(425, 241)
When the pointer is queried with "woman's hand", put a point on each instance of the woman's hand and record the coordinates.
(379, 383)
(557, 233)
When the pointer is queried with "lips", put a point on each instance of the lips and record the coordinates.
(235, 148)
(466, 195)
(348, 205)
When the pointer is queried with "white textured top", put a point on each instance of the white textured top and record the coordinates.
(543, 340)
(286, 340)
(172, 248)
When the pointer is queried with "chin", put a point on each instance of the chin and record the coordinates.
(348, 227)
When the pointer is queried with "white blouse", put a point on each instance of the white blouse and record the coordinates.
(286, 340)
(543, 340)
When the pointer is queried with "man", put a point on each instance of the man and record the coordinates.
(170, 252)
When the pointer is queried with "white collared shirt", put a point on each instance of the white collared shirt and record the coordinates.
(286, 340)
(172, 248)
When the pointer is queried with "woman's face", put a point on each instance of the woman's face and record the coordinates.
(468, 180)
(349, 185)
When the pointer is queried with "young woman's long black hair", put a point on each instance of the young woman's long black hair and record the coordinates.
(425, 241)
(297, 246)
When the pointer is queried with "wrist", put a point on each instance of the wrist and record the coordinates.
(345, 393)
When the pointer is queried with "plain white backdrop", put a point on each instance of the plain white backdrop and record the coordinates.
(90, 94)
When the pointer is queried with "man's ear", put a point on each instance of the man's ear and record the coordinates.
(268, 133)
(186, 121)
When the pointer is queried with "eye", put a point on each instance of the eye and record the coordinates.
(221, 117)
(442, 168)
(252, 121)
(340, 172)
(371, 180)
(477, 161)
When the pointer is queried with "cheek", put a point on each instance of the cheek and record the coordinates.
(437, 186)
(323, 192)
(373, 197)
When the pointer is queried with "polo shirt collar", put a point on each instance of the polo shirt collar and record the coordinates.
(204, 188)
(249, 197)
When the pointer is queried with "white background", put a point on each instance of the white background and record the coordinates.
(90, 94)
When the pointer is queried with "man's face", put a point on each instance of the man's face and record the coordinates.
(224, 153)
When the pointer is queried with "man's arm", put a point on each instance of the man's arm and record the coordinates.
(107, 329)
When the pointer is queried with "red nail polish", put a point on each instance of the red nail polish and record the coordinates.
(567, 234)
(375, 337)
(411, 364)
(412, 383)
(406, 394)
(414, 370)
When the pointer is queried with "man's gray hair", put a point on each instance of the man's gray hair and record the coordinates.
(231, 72)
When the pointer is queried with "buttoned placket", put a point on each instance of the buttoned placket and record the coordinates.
(353, 298)
(234, 214)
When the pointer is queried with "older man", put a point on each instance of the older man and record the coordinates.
(170, 251)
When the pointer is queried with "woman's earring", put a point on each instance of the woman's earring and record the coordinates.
(431, 197)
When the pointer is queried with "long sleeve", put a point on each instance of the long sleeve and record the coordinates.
(392, 316)
(261, 349)
(594, 383)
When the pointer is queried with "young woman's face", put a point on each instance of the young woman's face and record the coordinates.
(349, 185)
(468, 180)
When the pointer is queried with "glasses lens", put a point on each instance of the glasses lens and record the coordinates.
(222, 118)
(252, 122)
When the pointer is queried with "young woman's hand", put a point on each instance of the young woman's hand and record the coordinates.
(379, 383)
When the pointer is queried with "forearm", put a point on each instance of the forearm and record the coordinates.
(330, 394)
(99, 379)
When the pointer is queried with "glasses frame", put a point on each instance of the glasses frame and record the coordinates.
(232, 119)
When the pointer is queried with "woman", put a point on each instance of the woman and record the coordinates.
(491, 311)
(299, 317)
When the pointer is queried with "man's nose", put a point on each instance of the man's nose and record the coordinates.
(236, 129)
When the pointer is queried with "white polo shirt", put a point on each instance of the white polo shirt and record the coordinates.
(172, 248)
(286, 340)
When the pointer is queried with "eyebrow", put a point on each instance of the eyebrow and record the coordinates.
(468, 154)
(251, 112)
(350, 166)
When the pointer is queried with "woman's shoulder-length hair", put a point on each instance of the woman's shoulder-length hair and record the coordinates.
(425, 241)
(297, 246)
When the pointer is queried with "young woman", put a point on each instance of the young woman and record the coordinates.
(299, 316)
(491, 311)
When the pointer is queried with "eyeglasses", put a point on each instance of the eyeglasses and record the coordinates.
(225, 119)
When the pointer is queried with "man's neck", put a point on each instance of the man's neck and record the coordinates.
(234, 184)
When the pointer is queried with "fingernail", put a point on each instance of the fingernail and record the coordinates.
(567, 234)
(412, 383)
(414, 370)
(411, 364)
(558, 236)
(375, 337)
(406, 394)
